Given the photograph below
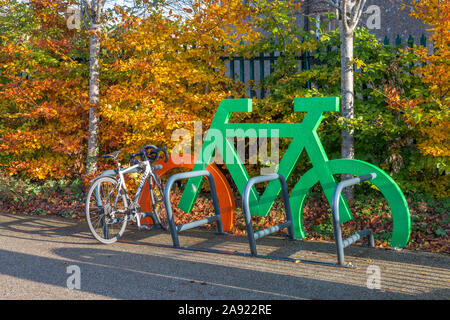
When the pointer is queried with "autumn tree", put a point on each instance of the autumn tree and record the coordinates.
(435, 72)
(428, 111)
(94, 11)
(43, 94)
(167, 70)
(349, 13)
(159, 71)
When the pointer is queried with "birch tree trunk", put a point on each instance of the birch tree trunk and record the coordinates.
(95, 10)
(94, 100)
(347, 109)
(350, 12)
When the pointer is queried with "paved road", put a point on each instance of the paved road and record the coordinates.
(35, 253)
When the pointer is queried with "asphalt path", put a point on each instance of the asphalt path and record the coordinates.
(55, 258)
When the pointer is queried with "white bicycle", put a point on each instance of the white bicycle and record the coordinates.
(108, 204)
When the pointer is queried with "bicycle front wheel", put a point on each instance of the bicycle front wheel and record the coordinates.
(106, 210)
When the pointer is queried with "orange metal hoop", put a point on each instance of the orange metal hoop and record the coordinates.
(225, 195)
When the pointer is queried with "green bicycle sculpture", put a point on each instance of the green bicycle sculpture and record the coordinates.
(304, 137)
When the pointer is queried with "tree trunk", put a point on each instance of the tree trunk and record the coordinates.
(347, 90)
(94, 99)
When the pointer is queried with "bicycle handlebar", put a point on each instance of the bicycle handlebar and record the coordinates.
(151, 153)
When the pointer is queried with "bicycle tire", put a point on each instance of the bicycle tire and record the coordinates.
(96, 216)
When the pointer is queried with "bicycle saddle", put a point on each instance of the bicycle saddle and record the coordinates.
(112, 155)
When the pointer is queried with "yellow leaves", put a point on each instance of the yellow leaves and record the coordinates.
(436, 143)
(437, 69)
(435, 72)
(159, 73)
(359, 63)
(433, 126)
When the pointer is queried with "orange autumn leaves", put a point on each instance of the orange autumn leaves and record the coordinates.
(430, 111)
(171, 69)
(42, 94)
(158, 73)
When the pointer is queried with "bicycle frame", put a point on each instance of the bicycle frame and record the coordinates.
(148, 171)
(123, 188)
(304, 137)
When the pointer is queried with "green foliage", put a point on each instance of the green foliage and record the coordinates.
(22, 190)
(382, 136)
(325, 227)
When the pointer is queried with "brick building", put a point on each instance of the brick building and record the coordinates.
(385, 18)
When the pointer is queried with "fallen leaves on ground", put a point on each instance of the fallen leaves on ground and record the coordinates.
(430, 225)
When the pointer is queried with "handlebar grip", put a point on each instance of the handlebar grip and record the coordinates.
(152, 153)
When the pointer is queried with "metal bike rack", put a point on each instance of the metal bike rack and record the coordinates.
(253, 236)
(174, 229)
(341, 244)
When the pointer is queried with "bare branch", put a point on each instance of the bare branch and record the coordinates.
(334, 3)
(357, 12)
(345, 16)
(99, 10)
(350, 12)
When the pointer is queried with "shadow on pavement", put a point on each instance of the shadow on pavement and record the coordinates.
(125, 275)
(162, 272)
(282, 247)
(45, 227)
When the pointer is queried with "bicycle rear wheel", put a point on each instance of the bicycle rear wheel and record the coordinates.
(106, 210)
